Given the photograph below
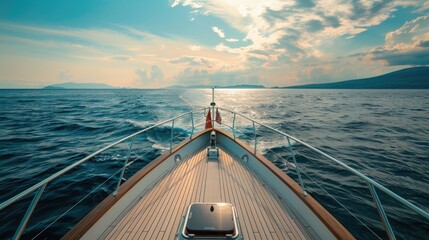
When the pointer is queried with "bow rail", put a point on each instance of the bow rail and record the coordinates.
(40, 186)
(372, 184)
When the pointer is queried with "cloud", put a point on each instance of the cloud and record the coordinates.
(314, 73)
(232, 40)
(268, 25)
(126, 55)
(121, 58)
(192, 76)
(219, 32)
(407, 45)
(195, 61)
(190, 3)
(423, 44)
(408, 34)
(175, 3)
(278, 41)
(415, 57)
(150, 76)
(195, 47)
(66, 76)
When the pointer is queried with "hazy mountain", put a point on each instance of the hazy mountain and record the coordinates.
(209, 86)
(409, 78)
(72, 85)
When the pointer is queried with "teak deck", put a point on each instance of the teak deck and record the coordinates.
(157, 212)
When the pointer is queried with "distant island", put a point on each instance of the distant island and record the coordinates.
(409, 78)
(72, 85)
(245, 86)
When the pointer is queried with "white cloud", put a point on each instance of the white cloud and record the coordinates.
(295, 30)
(118, 52)
(409, 35)
(232, 40)
(196, 61)
(219, 32)
(190, 3)
(195, 47)
(408, 45)
(286, 36)
(120, 58)
(191, 76)
(155, 74)
(175, 3)
(283, 36)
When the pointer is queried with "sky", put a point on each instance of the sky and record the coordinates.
(153, 44)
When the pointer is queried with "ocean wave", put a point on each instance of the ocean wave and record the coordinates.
(385, 136)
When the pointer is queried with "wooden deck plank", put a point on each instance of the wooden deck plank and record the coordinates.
(175, 217)
(278, 218)
(259, 204)
(158, 213)
(154, 202)
(125, 236)
(203, 190)
(161, 236)
(142, 236)
(128, 222)
(149, 207)
(243, 195)
(263, 223)
(212, 193)
(242, 210)
(185, 189)
(275, 237)
(293, 230)
(169, 202)
(280, 225)
(144, 206)
(175, 221)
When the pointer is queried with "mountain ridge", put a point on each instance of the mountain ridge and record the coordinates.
(74, 85)
(408, 78)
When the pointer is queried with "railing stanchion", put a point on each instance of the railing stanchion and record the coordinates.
(233, 126)
(124, 167)
(254, 137)
(193, 128)
(171, 136)
(213, 109)
(296, 166)
(380, 210)
(29, 212)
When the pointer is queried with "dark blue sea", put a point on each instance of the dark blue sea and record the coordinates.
(382, 133)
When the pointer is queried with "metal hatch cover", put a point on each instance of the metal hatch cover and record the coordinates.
(211, 220)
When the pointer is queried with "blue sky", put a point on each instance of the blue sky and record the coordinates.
(150, 44)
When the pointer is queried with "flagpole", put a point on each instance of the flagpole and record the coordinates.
(213, 105)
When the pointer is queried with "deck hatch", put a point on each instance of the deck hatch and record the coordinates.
(214, 220)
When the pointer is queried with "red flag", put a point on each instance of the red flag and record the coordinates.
(218, 117)
(209, 120)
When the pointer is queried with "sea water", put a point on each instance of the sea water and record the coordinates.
(381, 133)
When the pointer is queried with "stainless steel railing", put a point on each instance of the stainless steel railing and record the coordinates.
(372, 185)
(40, 186)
